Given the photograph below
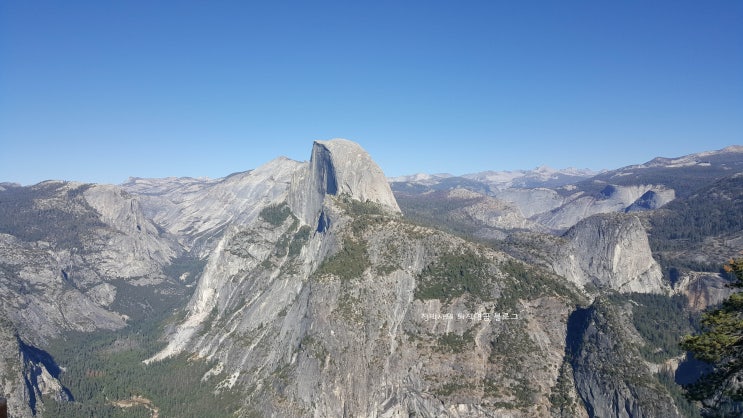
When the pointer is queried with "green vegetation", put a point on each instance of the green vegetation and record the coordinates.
(685, 182)
(347, 264)
(721, 345)
(313, 347)
(661, 321)
(716, 210)
(347, 306)
(437, 210)
(528, 282)
(185, 264)
(352, 259)
(104, 367)
(358, 208)
(449, 388)
(300, 238)
(454, 274)
(560, 398)
(389, 261)
(276, 214)
(686, 407)
(512, 349)
(685, 224)
(284, 241)
(453, 343)
(143, 303)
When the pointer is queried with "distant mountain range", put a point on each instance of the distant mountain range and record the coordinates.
(542, 176)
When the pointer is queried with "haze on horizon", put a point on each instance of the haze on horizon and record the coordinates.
(98, 92)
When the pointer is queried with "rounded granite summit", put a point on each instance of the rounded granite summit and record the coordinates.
(356, 174)
(339, 166)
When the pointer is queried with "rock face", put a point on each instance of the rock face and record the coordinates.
(26, 373)
(610, 252)
(199, 211)
(611, 199)
(39, 299)
(652, 199)
(137, 248)
(336, 167)
(610, 375)
(703, 289)
(60, 278)
(355, 173)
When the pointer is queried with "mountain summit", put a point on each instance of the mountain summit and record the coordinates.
(338, 167)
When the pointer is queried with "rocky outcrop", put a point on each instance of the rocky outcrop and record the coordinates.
(533, 202)
(136, 248)
(703, 289)
(318, 299)
(66, 248)
(338, 167)
(652, 199)
(358, 335)
(61, 277)
(609, 251)
(610, 375)
(26, 373)
(39, 294)
(487, 213)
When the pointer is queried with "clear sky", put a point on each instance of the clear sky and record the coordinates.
(101, 90)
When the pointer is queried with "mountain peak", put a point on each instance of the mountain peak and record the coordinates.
(339, 166)
(355, 173)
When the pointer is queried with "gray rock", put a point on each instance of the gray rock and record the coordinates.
(613, 199)
(610, 375)
(338, 167)
(26, 373)
(610, 251)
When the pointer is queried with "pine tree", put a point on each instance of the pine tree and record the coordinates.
(721, 345)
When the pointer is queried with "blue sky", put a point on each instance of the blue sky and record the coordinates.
(101, 90)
